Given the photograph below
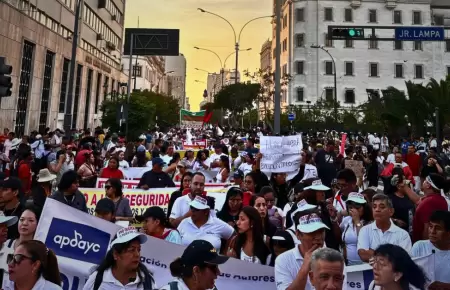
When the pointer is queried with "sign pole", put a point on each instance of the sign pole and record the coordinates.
(130, 73)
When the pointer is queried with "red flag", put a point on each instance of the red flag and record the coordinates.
(207, 117)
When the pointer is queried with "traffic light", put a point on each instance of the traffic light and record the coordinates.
(347, 33)
(5, 80)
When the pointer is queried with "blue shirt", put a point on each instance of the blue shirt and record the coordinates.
(405, 147)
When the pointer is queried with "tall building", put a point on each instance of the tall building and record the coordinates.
(37, 42)
(176, 65)
(266, 67)
(216, 81)
(361, 66)
(148, 73)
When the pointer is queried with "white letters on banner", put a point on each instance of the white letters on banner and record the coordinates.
(281, 145)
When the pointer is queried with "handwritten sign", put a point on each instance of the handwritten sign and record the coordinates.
(356, 166)
(281, 145)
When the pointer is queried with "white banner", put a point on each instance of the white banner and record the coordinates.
(280, 163)
(133, 183)
(281, 145)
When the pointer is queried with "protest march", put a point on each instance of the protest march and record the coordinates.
(186, 210)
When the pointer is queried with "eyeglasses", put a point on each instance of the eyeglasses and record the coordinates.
(107, 187)
(16, 259)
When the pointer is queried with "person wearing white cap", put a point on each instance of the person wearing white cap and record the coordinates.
(292, 267)
(359, 215)
(5, 222)
(203, 225)
(301, 207)
(121, 268)
(38, 147)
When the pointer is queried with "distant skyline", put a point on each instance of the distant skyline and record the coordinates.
(207, 31)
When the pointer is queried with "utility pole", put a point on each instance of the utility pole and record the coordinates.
(73, 64)
(277, 97)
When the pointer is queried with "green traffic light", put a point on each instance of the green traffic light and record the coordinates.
(351, 32)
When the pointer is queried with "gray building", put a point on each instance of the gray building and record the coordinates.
(36, 38)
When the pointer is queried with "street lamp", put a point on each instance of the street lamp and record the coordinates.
(225, 62)
(199, 69)
(335, 79)
(197, 81)
(237, 39)
(163, 75)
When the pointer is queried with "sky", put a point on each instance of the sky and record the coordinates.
(207, 31)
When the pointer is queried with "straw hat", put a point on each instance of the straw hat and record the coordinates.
(45, 176)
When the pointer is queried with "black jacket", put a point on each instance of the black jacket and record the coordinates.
(156, 180)
(78, 202)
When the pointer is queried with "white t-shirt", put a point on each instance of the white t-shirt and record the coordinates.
(287, 266)
(211, 159)
(254, 259)
(246, 168)
(213, 231)
(310, 172)
(181, 206)
(109, 282)
(371, 237)
(441, 259)
(350, 238)
(41, 284)
(391, 158)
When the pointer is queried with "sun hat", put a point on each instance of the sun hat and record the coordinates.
(8, 220)
(302, 205)
(317, 185)
(311, 223)
(201, 252)
(356, 198)
(127, 234)
(199, 203)
(45, 176)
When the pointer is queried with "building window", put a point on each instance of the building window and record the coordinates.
(328, 67)
(373, 43)
(87, 105)
(348, 15)
(447, 45)
(417, 17)
(137, 71)
(300, 67)
(63, 90)
(349, 43)
(372, 16)
(24, 87)
(418, 45)
(349, 68)
(76, 96)
(328, 42)
(398, 45)
(373, 71)
(301, 40)
(46, 87)
(97, 91)
(397, 17)
(285, 21)
(329, 94)
(438, 20)
(349, 96)
(328, 14)
(274, 53)
(399, 70)
(285, 44)
(300, 15)
(284, 70)
(418, 71)
(448, 70)
(300, 94)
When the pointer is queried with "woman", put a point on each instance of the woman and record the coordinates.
(310, 170)
(197, 268)
(123, 164)
(113, 190)
(181, 170)
(249, 245)
(140, 159)
(259, 203)
(23, 169)
(404, 208)
(200, 160)
(112, 170)
(232, 206)
(122, 265)
(33, 266)
(280, 187)
(281, 242)
(43, 189)
(130, 151)
(184, 184)
(172, 166)
(189, 158)
(360, 215)
(203, 225)
(87, 172)
(393, 269)
(247, 165)
(156, 224)
(27, 225)
(224, 171)
(275, 214)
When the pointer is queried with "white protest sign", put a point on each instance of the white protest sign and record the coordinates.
(280, 163)
(281, 145)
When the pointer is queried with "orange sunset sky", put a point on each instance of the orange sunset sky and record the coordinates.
(206, 31)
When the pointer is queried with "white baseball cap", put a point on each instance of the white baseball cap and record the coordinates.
(302, 205)
(317, 185)
(311, 223)
(356, 197)
(127, 234)
(199, 203)
(8, 220)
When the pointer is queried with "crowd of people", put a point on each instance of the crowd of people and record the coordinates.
(309, 225)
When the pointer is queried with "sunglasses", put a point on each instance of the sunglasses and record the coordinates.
(16, 259)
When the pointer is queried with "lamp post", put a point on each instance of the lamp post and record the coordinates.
(335, 79)
(237, 39)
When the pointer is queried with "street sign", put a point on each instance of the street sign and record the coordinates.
(291, 117)
(420, 33)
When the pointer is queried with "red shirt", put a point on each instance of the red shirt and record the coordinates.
(247, 198)
(111, 173)
(413, 160)
(427, 206)
(24, 174)
(80, 159)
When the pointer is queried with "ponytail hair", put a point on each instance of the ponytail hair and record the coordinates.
(49, 263)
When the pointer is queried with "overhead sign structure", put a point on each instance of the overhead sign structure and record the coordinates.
(347, 33)
(146, 41)
(420, 33)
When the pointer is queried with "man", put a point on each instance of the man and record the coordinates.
(168, 154)
(8, 143)
(414, 162)
(439, 244)
(157, 148)
(80, 157)
(433, 141)
(5, 223)
(384, 143)
(56, 140)
(238, 178)
(105, 209)
(404, 146)
(181, 208)
(376, 142)
(431, 166)
(387, 171)
(250, 146)
(382, 230)
(432, 201)
(346, 182)
(38, 147)
(325, 163)
(156, 178)
(327, 269)
(292, 267)
(391, 157)
(11, 198)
